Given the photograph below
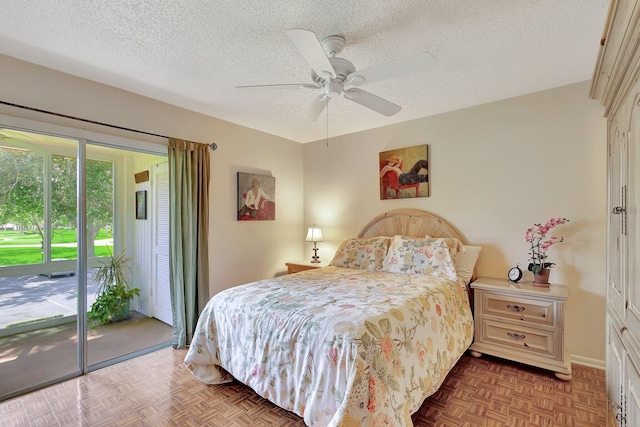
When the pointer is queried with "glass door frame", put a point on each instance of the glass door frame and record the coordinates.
(151, 145)
(82, 267)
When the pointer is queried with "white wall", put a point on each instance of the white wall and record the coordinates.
(495, 170)
(239, 251)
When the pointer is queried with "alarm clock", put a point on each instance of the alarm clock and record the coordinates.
(515, 274)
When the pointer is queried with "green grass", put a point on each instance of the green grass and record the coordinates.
(18, 256)
(12, 255)
(64, 236)
(8, 238)
(15, 238)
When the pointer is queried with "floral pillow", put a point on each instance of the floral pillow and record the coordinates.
(362, 253)
(430, 256)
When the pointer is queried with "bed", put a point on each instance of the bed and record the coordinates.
(363, 341)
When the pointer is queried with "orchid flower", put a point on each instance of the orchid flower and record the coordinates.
(537, 236)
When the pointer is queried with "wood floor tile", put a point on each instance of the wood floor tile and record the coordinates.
(157, 390)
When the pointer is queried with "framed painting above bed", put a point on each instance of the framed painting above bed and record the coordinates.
(404, 172)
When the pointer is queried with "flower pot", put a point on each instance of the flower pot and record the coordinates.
(124, 314)
(541, 279)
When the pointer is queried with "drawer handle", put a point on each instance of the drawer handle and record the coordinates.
(515, 308)
(515, 336)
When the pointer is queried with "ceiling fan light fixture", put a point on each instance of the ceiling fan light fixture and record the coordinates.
(334, 87)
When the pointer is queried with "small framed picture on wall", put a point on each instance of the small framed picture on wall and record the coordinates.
(141, 204)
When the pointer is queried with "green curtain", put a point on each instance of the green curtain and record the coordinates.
(189, 235)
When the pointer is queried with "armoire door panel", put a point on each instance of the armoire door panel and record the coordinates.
(632, 386)
(615, 369)
(632, 224)
(615, 289)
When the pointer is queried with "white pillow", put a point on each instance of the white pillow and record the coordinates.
(466, 262)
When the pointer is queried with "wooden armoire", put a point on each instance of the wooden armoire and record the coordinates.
(616, 83)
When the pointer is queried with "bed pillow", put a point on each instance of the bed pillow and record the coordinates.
(466, 262)
(430, 256)
(362, 253)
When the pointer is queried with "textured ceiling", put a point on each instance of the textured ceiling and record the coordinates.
(192, 53)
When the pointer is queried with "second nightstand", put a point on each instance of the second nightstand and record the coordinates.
(294, 267)
(521, 322)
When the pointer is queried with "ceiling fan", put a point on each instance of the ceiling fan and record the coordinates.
(337, 76)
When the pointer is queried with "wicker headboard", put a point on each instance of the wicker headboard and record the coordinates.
(413, 223)
(410, 222)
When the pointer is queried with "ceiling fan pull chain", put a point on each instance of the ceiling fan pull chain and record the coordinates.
(327, 124)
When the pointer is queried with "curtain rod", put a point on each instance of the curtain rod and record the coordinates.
(213, 145)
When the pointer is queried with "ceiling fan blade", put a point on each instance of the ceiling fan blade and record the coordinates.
(316, 108)
(278, 86)
(371, 101)
(308, 44)
(400, 67)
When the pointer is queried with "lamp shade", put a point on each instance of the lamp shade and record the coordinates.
(314, 234)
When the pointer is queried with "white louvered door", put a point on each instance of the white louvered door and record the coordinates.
(161, 291)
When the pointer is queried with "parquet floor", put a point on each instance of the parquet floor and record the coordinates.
(157, 390)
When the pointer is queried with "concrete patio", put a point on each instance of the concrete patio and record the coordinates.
(33, 297)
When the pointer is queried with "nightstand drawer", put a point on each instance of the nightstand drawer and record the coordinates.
(523, 339)
(532, 311)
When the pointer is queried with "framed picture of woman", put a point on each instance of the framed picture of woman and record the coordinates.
(256, 197)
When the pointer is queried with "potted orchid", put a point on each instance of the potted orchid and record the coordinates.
(537, 237)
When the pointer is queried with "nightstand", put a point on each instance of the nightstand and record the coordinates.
(295, 267)
(521, 322)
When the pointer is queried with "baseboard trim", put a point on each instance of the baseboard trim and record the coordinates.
(587, 361)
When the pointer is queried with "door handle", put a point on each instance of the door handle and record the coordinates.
(618, 210)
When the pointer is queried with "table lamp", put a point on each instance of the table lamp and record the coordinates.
(314, 234)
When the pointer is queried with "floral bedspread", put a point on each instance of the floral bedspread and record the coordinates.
(337, 346)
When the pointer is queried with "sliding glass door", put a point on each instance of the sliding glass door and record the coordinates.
(66, 206)
(120, 200)
(39, 287)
